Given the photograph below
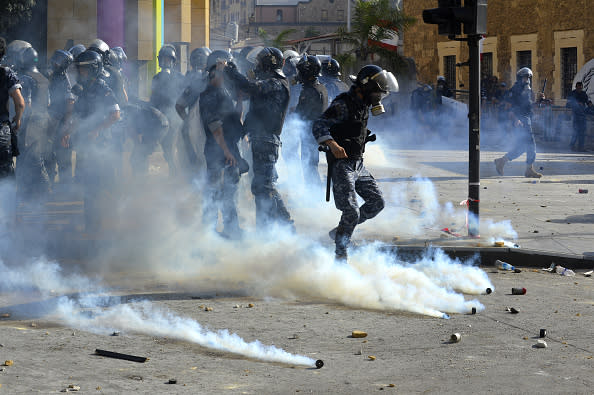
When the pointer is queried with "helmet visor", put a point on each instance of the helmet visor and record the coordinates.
(386, 81)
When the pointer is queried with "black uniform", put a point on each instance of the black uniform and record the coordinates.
(33, 176)
(60, 93)
(165, 89)
(579, 103)
(345, 121)
(218, 111)
(8, 83)
(269, 100)
(313, 100)
(95, 103)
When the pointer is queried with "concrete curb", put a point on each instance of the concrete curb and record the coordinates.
(515, 256)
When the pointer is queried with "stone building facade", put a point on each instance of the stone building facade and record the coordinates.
(555, 38)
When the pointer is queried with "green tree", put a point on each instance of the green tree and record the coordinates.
(13, 12)
(280, 41)
(374, 21)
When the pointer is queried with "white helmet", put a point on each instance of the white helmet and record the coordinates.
(289, 53)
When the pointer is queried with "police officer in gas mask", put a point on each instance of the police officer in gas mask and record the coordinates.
(165, 89)
(60, 111)
(33, 178)
(520, 98)
(269, 100)
(313, 100)
(342, 130)
(221, 121)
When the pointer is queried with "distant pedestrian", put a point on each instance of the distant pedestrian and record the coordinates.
(579, 102)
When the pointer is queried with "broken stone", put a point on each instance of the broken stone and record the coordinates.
(358, 334)
(208, 309)
(8, 362)
(251, 305)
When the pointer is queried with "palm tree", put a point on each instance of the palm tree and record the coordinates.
(277, 42)
(374, 21)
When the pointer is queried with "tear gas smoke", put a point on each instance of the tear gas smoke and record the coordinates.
(142, 317)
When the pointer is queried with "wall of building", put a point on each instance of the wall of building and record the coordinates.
(542, 26)
(70, 20)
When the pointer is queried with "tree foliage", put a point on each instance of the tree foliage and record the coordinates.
(374, 21)
(280, 41)
(13, 12)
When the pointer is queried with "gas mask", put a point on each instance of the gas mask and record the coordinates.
(374, 99)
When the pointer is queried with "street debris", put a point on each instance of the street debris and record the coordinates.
(172, 381)
(504, 265)
(588, 274)
(208, 309)
(250, 305)
(71, 388)
(541, 344)
(116, 333)
(371, 357)
(518, 291)
(236, 306)
(473, 311)
(560, 270)
(358, 334)
(319, 364)
(582, 190)
(488, 291)
(8, 362)
(543, 333)
(5, 315)
(499, 244)
(118, 355)
(455, 338)
(512, 310)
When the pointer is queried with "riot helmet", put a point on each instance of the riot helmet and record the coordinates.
(330, 68)
(121, 55)
(289, 53)
(101, 48)
(77, 50)
(309, 67)
(198, 58)
(13, 52)
(60, 61)
(215, 56)
(28, 59)
(441, 78)
(167, 57)
(269, 61)
(375, 84)
(89, 66)
(524, 72)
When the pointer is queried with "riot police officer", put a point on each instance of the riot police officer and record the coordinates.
(34, 178)
(165, 89)
(97, 110)
(60, 111)
(343, 130)
(269, 100)
(520, 98)
(313, 100)
(222, 125)
(10, 88)
(111, 73)
(331, 78)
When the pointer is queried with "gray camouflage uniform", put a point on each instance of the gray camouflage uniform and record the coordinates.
(345, 121)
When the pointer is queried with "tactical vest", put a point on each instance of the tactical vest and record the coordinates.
(269, 112)
(351, 134)
(40, 100)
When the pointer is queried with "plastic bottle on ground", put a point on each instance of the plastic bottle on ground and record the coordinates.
(503, 265)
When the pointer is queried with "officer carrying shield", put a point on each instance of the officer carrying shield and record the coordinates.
(342, 129)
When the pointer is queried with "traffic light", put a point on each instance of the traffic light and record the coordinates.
(443, 17)
(450, 15)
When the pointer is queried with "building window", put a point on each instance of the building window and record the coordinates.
(568, 69)
(523, 59)
(486, 64)
(279, 15)
(340, 15)
(324, 15)
(449, 68)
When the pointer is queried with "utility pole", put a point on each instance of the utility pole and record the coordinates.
(449, 16)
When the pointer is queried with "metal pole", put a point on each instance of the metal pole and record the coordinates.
(474, 136)
(348, 16)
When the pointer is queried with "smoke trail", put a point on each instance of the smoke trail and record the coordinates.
(46, 278)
